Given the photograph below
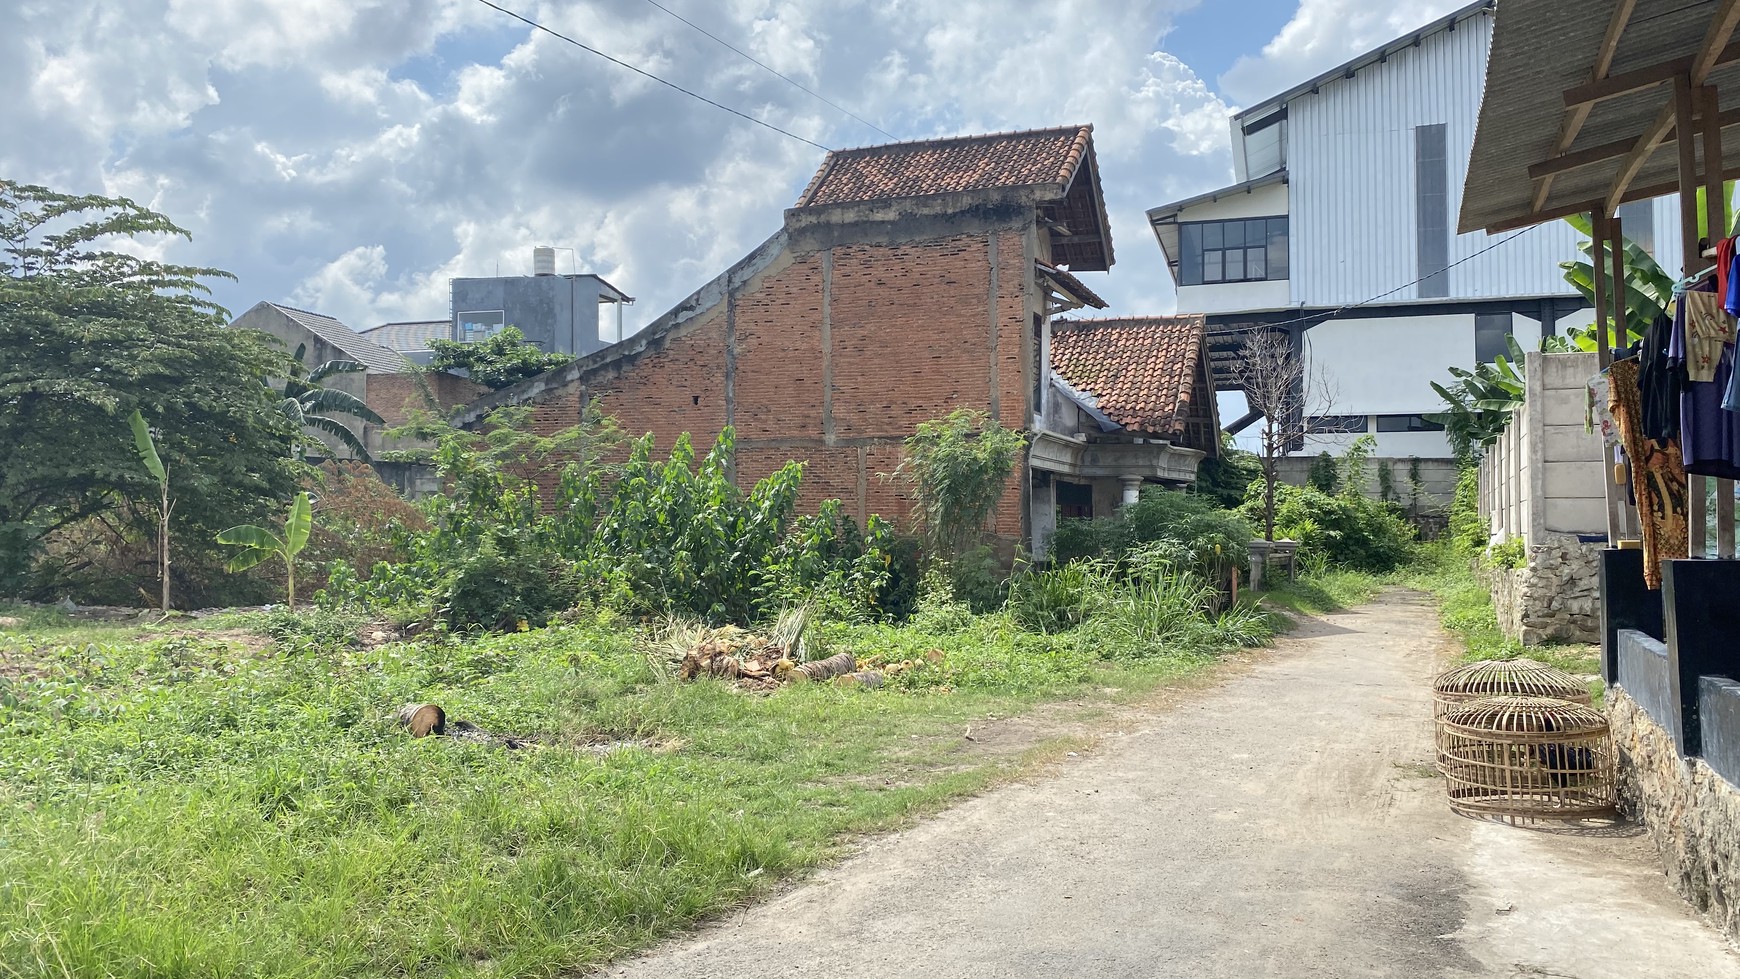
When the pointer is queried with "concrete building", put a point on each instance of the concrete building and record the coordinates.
(909, 280)
(389, 383)
(1337, 231)
(557, 313)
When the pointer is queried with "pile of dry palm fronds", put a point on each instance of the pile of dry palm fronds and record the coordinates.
(763, 662)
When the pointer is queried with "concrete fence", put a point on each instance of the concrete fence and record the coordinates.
(1542, 483)
(1545, 474)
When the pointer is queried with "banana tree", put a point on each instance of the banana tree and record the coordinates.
(1648, 287)
(165, 506)
(310, 404)
(1481, 401)
(257, 543)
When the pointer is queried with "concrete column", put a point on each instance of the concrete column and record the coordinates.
(1132, 489)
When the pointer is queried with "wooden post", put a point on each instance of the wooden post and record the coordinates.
(1604, 344)
(1685, 132)
(1716, 228)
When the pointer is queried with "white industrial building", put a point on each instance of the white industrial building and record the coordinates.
(1345, 194)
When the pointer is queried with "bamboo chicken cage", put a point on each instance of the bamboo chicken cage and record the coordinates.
(1504, 678)
(1526, 759)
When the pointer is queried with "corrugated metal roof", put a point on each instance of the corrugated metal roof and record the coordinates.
(378, 359)
(1541, 48)
(408, 337)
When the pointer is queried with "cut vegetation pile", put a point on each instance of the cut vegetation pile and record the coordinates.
(763, 663)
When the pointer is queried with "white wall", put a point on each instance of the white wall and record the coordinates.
(1351, 162)
(1260, 202)
(1233, 297)
(1385, 365)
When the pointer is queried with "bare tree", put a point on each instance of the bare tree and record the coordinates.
(1277, 384)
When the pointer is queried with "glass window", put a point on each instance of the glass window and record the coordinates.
(1406, 423)
(1338, 423)
(1247, 250)
(1491, 336)
(478, 325)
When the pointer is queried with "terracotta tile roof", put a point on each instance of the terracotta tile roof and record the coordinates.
(1037, 157)
(1142, 371)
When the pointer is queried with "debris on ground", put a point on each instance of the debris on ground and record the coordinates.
(766, 662)
(429, 720)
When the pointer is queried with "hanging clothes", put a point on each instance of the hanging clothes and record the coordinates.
(1724, 267)
(1659, 380)
(1657, 472)
(1701, 346)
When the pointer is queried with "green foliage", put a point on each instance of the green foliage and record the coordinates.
(1480, 404)
(257, 544)
(497, 362)
(1467, 531)
(91, 333)
(1223, 478)
(1387, 483)
(1510, 554)
(309, 404)
(1324, 476)
(1353, 464)
(958, 468)
(1213, 539)
(165, 506)
(646, 537)
(1346, 531)
(1648, 288)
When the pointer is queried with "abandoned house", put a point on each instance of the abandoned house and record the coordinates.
(909, 280)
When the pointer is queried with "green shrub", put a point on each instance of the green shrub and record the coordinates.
(1324, 475)
(1348, 531)
(1215, 539)
(1467, 531)
(1055, 599)
(1510, 554)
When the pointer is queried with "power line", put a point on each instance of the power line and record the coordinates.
(694, 95)
(1331, 314)
(775, 72)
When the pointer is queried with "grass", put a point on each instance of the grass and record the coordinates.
(231, 797)
(1466, 610)
(1315, 593)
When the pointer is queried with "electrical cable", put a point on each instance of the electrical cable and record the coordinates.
(640, 71)
(775, 72)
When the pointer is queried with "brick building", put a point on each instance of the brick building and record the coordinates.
(908, 280)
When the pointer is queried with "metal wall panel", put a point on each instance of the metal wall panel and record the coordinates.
(1352, 182)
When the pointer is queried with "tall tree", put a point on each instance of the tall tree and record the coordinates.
(503, 359)
(90, 333)
(1278, 384)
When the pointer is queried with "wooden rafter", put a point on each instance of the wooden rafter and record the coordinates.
(1579, 114)
(1607, 151)
(1715, 46)
(1639, 155)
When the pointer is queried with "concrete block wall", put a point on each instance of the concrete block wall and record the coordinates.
(1547, 474)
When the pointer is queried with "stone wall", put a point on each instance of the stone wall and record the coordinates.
(1691, 812)
(1557, 598)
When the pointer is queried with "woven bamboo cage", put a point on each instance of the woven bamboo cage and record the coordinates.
(1525, 759)
(1504, 678)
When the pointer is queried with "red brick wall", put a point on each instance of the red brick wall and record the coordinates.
(394, 396)
(911, 339)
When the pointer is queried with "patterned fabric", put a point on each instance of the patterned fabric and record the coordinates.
(1657, 472)
(1708, 329)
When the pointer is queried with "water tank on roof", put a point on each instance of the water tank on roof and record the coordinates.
(543, 260)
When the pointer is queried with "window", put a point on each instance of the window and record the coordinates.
(1432, 209)
(1491, 336)
(1406, 423)
(1337, 424)
(479, 324)
(1075, 501)
(1247, 250)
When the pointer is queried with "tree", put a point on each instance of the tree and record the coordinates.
(1225, 477)
(89, 334)
(257, 543)
(958, 467)
(503, 359)
(1277, 384)
(154, 465)
(1480, 404)
(308, 404)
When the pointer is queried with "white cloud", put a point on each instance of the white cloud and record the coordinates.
(1321, 35)
(351, 155)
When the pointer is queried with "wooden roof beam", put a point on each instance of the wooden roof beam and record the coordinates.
(1639, 154)
(1608, 151)
(1595, 204)
(1722, 25)
(1627, 82)
(1579, 114)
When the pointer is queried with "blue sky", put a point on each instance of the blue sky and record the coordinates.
(352, 155)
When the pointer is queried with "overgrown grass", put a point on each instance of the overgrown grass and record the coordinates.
(1315, 593)
(177, 802)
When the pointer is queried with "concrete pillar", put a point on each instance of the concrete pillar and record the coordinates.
(1132, 489)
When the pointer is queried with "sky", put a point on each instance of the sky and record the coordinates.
(350, 156)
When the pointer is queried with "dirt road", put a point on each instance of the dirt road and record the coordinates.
(1283, 824)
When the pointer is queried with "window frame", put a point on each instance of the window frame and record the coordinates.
(1195, 250)
(1424, 426)
(1338, 424)
(459, 323)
